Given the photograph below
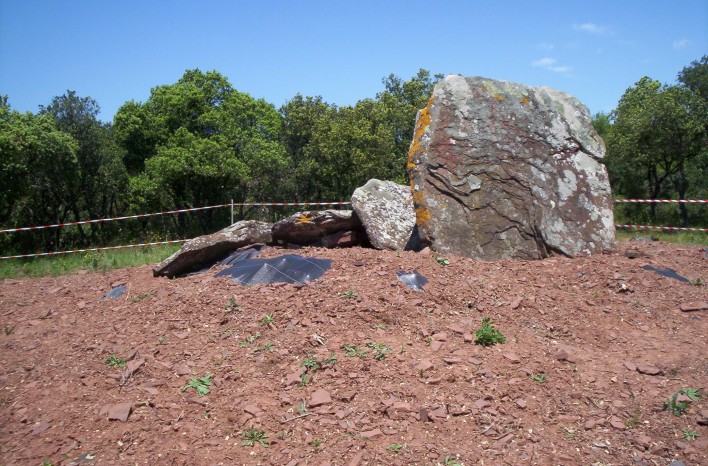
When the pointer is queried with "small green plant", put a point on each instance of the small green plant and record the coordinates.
(539, 378)
(207, 415)
(316, 443)
(452, 461)
(140, 297)
(689, 434)
(487, 335)
(302, 408)
(200, 385)
(330, 360)
(115, 361)
(311, 364)
(47, 463)
(266, 347)
(379, 350)
(443, 261)
(381, 326)
(693, 394)
(250, 339)
(697, 282)
(395, 447)
(232, 305)
(253, 436)
(349, 294)
(676, 407)
(352, 351)
(162, 341)
(8, 329)
(267, 319)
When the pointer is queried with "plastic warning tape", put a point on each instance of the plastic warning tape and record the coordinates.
(112, 219)
(658, 201)
(648, 227)
(287, 203)
(56, 253)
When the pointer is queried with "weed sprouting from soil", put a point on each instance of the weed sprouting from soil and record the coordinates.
(352, 351)
(253, 436)
(200, 385)
(487, 335)
(379, 350)
(115, 361)
(678, 408)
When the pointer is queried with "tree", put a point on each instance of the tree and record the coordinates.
(695, 76)
(102, 178)
(199, 142)
(39, 168)
(658, 130)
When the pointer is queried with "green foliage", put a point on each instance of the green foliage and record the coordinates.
(487, 335)
(657, 148)
(451, 461)
(115, 361)
(689, 434)
(395, 447)
(444, 262)
(352, 351)
(253, 437)
(200, 385)
(541, 378)
(349, 294)
(267, 319)
(379, 350)
(249, 339)
(676, 407)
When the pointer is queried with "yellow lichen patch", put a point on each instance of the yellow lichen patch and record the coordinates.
(499, 97)
(422, 215)
(524, 100)
(304, 218)
(421, 125)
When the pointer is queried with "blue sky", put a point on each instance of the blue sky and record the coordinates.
(117, 51)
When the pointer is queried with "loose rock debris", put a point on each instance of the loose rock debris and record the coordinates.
(582, 378)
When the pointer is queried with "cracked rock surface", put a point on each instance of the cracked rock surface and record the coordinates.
(386, 210)
(501, 170)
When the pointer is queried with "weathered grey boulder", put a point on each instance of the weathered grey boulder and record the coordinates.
(307, 228)
(386, 210)
(502, 170)
(205, 251)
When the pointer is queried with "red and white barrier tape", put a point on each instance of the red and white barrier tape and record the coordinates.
(235, 204)
(56, 253)
(649, 227)
(659, 201)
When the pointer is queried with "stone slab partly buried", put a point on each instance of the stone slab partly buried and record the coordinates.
(501, 170)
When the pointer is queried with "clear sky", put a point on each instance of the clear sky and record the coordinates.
(116, 51)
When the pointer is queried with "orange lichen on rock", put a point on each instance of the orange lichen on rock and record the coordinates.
(499, 97)
(304, 218)
(524, 100)
(422, 214)
(421, 125)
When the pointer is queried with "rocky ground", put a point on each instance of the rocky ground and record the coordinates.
(357, 369)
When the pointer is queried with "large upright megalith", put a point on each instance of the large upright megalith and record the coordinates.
(501, 170)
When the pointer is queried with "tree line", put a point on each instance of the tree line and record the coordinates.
(201, 142)
(657, 148)
(193, 143)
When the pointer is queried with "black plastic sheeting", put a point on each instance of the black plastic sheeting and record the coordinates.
(114, 293)
(290, 268)
(243, 254)
(413, 280)
(671, 273)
